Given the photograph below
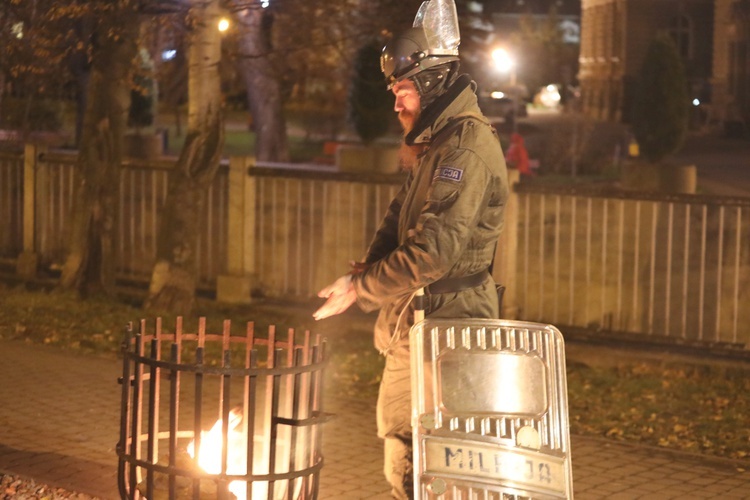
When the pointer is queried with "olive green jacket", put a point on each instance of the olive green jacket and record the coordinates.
(443, 223)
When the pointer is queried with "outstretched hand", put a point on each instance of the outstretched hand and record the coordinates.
(340, 295)
(358, 267)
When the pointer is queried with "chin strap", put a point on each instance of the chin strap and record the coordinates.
(431, 112)
(434, 82)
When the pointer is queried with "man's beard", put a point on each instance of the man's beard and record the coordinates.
(407, 119)
(408, 154)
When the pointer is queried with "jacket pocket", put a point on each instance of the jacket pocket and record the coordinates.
(442, 196)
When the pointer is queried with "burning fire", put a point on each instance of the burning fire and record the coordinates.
(211, 448)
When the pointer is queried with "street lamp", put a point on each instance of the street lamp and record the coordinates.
(223, 24)
(504, 63)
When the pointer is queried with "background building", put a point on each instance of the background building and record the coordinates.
(615, 35)
(730, 103)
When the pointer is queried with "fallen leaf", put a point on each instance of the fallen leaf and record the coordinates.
(679, 428)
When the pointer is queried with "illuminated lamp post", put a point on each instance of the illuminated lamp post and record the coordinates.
(506, 64)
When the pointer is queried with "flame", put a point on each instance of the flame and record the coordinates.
(211, 448)
(209, 455)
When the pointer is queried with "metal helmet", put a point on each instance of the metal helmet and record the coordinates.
(409, 54)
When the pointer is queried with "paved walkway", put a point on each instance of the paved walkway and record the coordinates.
(59, 415)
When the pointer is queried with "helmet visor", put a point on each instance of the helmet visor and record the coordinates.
(439, 20)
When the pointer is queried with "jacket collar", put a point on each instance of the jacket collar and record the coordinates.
(456, 99)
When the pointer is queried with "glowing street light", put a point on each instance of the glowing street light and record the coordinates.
(504, 63)
(223, 24)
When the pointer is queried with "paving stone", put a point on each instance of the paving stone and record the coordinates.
(74, 445)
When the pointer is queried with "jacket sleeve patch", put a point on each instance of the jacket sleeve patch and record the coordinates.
(448, 174)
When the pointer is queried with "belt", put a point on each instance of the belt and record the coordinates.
(452, 285)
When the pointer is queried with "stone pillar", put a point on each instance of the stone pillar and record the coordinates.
(679, 179)
(235, 285)
(506, 255)
(33, 181)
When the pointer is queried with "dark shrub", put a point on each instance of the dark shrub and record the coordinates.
(370, 103)
(661, 101)
(141, 112)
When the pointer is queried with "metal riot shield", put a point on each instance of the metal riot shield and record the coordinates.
(489, 411)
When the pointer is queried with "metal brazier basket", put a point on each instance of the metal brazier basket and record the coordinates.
(220, 415)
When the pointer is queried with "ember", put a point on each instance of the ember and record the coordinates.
(166, 452)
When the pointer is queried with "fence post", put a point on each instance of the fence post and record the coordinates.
(28, 261)
(235, 285)
(506, 255)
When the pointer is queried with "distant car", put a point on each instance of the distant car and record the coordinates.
(555, 96)
(548, 96)
(505, 104)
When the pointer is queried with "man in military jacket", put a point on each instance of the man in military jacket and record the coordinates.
(439, 233)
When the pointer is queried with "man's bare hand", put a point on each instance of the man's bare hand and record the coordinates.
(358, 267)
(340, 295)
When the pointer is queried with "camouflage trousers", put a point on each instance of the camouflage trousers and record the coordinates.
(394, 423)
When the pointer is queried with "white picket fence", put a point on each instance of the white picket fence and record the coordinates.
(661, 266)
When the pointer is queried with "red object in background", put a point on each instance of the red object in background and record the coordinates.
(517, 156)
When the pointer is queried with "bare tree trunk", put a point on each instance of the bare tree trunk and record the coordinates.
(80, 68)
(90, 262)
(82, 83)
(174, 277)
(3, 20)
(2, 89)
(263, 92)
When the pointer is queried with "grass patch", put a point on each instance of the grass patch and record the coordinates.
(97, 326)
(241, 142)
(691, 407)
(697, 408)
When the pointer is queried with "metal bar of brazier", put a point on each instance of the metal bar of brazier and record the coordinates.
(266, 416)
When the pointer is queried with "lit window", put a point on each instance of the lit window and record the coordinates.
(571, 31)
(17, 30)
